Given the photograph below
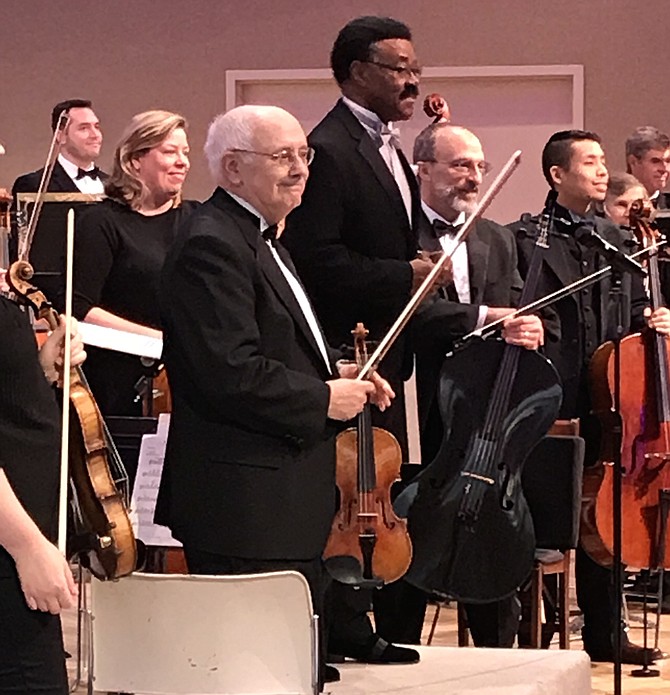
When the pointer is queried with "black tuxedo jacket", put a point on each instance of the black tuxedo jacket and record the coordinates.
(60, 181)
(351, 240)
(565, 344)
(250, 463)
(494, 281)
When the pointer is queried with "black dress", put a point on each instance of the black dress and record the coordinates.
(119, 255)
(31, 645)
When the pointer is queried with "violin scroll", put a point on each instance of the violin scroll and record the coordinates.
(19, 276)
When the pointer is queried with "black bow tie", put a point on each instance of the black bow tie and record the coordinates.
(440, 227)
(270, 233)
(94, 173)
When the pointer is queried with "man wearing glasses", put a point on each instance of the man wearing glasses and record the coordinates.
(451, 168)
(354, 243)
(249, 477)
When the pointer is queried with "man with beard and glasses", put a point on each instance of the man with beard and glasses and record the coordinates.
(354, 242)
(573, 163)
(451, 168)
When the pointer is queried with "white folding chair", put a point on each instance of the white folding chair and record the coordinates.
(224, 635)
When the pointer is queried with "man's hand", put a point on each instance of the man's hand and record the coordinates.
(525, 331)
(46, 579)
(383, 393)
(659, 320)
(495, 313)
(424, 264)
(52, 352)
(348, 397)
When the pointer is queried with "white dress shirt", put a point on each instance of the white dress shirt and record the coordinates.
(379, 131)
(85, 184)
(459, 260)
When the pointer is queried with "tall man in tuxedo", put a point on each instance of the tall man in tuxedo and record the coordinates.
(354, 241)
(249, 477)
(573, 164)
(451, 168)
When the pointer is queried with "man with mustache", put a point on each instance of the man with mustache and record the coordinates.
(451, 168)
(354, 242)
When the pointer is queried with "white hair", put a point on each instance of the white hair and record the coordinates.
(234, 130)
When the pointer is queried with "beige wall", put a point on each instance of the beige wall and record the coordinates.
(130, 55)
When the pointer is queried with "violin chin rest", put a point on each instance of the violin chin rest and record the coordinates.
(346, 569)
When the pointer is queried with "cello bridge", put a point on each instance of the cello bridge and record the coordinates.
(476, 476)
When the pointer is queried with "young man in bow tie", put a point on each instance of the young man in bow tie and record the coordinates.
(354, 243)
(451, 168)
(80, 141)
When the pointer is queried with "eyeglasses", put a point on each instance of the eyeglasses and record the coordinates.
(404, 70)
(465, 166)
(287, 157)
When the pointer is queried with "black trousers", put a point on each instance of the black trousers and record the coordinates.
(32, 657)
(203, 562)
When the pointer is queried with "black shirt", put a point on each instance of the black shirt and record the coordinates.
(119, 255)
(29, 425)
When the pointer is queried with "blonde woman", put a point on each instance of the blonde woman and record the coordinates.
(121, 244)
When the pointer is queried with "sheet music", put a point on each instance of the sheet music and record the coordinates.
(121, 341)
(145, 491)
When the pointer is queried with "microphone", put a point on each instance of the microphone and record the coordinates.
(616, 258)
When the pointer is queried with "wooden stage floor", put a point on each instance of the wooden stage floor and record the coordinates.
(446, 635)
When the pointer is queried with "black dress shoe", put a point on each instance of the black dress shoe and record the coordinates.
(331, 674)
(379, 651)
(630, 654)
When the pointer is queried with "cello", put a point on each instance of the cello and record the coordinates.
(645, 439)
(468, 519)
(368, 544)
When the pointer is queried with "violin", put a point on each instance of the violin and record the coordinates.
(468, 519)
(368, 544)
(105, 539)
(644, 442)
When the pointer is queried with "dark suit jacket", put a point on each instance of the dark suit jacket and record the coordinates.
(250, 463)
(494, 281)
(565, 346)
(351, 240)
(47, 252)
(60, 182)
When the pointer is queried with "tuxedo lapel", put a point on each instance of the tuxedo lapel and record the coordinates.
(61, 182)
(249, 226)
(369, 151)
(282, 289)
(478, 261)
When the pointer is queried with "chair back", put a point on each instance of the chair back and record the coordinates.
(223, 635)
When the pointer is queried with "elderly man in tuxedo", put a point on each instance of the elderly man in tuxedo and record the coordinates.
(249, 477)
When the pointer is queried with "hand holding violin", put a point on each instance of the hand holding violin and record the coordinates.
(382, 395)
(424, 264)
(51, 355)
